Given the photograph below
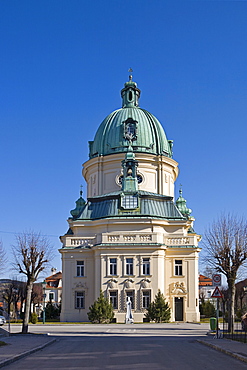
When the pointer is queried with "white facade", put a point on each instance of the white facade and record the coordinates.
(134, 255)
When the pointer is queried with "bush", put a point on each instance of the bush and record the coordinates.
(34, 318)
(51, 311)
(207, 309)
(239, 314)
(101, 311)
(159, 310)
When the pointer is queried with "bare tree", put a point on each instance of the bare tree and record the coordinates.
(8, 296)
(202, 296)
(18, 292)
(11, 294)
(225, 245)
(32, 252)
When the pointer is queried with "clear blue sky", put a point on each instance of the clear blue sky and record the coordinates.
(62, 66)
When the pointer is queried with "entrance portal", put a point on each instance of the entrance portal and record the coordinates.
(179, 309)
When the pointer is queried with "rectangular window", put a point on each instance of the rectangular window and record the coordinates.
(113, 266)
(129, 266)
(129, 202)
(51, 296)
(79, 300)
(146, 266)
(114, 299)
(80, 268)
(146, 298)
(131, 294)
(178, 267)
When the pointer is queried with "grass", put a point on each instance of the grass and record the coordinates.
(207, 320)
(2, 343)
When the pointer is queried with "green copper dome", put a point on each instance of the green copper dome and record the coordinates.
(130, 123)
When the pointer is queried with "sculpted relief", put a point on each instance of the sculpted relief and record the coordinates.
(178, 288)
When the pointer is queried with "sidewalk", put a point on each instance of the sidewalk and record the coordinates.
(227, 346)
(19, 345)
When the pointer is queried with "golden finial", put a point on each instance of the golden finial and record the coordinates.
(130, 71)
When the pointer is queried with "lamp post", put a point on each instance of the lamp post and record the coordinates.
(44, 295)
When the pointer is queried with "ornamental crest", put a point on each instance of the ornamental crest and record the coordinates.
(145, 283)
(112, 283)
(178, 288)
(80, 285)
(128, 283)
(130, 129)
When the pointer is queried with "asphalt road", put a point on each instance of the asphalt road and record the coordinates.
(165, 346)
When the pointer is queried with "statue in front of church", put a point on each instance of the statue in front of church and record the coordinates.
(129, 317)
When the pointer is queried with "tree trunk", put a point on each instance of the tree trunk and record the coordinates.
(241, 304)
(27, 308)
(16, 309)
(231, 285)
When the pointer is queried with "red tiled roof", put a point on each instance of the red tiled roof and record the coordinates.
(54, 277)
(205, 281)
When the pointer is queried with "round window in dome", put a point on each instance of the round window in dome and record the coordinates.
(139, 178)
(119, 180)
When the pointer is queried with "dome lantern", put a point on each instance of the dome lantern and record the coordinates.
(130, 94)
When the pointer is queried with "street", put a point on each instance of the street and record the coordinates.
(147, 346)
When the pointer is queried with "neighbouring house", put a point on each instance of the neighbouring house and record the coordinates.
(241, 296)
(206, 287)
(130, 238)
(53, 289)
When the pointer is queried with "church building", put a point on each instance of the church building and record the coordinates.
(130, 238)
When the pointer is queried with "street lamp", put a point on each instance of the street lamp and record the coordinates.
(44, 295)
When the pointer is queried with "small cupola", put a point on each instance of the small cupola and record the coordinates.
(181, 205)
(130, 93)
(80, 204)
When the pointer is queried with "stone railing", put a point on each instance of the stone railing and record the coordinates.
(129, 238)
(82, 242)
(184, 240)
(113, 238)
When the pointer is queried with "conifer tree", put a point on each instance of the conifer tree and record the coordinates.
(159, 310)
(101, 311)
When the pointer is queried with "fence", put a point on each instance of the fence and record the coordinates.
(238, 332)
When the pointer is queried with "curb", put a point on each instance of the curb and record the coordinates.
(24, 354)
(218, 348)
